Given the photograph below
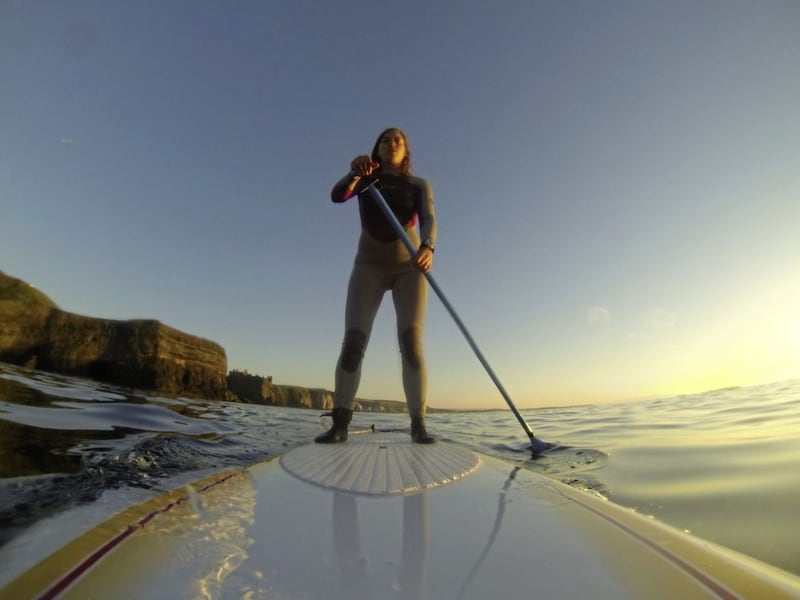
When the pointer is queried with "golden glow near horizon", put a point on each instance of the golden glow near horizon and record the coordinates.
(751, 341)
(754, 340)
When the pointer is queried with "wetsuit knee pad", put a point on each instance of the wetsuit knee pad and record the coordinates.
(353, 350)
(411, 345)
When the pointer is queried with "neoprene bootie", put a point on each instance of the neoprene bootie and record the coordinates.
(419, 434)
(338, 431)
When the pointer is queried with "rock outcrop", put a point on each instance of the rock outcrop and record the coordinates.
(255, 389)
(259, 390)
(144, 354)
(299, 397)
(248, 388)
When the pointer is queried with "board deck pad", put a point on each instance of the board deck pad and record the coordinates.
(380, 464)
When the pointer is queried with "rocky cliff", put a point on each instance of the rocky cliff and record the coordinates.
(259, 390)
(145, 354)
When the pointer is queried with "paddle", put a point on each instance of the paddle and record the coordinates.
(537, 445)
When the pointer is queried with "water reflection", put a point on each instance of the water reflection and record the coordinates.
(354, 578)
(498, 521)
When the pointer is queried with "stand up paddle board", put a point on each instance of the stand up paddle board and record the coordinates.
(378, 517)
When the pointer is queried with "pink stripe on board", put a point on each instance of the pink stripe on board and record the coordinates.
(713, 586)
(73, 575)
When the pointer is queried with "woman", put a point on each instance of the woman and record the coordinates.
(383, 263)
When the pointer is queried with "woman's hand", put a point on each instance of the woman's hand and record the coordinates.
(363, 165)
(423, 260)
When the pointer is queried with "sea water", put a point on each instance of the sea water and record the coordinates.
(722, 465)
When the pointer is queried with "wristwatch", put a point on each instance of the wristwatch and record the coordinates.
(428, 243)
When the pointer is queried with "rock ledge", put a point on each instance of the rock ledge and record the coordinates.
(144, 353)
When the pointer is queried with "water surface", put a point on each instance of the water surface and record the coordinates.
(721, 465)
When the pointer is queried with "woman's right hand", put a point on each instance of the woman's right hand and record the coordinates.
(363, 165)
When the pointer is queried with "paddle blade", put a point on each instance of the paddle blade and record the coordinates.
(538, 446)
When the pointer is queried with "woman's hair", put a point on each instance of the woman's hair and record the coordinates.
(405, 166)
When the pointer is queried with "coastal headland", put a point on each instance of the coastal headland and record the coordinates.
(141, 353)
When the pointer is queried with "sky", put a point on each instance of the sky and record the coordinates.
(616, 183)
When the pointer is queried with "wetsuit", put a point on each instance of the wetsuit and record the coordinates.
(383, 263)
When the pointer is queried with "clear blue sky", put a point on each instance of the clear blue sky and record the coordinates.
(617, 183)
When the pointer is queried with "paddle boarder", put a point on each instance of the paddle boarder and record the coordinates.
(382, 264)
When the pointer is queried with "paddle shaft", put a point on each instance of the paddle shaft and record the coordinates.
(401, 232)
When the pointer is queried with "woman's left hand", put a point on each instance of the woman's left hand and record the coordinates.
(424, 259)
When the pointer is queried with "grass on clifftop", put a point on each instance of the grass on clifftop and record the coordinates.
(16, 290)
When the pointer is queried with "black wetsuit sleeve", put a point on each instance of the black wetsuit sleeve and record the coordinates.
(345, 188)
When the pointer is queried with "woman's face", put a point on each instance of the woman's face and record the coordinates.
(392, 149)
